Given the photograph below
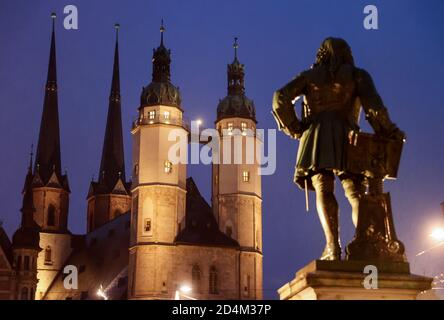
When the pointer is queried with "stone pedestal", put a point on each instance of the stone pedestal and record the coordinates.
(344, 280)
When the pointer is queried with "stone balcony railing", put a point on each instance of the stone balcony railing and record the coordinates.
(161, 119)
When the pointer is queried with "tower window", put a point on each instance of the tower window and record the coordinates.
(168, 166)
(213, 281)
(147, 225)
(50, 219)
(19, 262)
(244, 128)
(230, 128)
(26, 263)
(196, 276)
(166, 115)
(151, 115)
(246, 176)
(48, 254)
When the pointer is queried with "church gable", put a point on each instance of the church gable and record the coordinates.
(119, 188)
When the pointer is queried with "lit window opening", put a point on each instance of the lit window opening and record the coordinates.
(168, 167)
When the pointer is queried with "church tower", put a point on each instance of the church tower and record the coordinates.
(25, 246)
(109, 196)
(50, 187)
(159, 183)
(236, 185)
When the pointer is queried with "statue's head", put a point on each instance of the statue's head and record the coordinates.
(333, 53)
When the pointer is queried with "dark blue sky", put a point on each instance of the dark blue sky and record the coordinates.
(278, 39)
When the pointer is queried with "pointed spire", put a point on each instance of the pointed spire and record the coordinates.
(236, 103)
(161, 60)
(31, 154)
(235, 46)
(235, 74)
(48, 157)
(162, 30)
(27, 236)
(52, 72)
(115, 84)
(113, 160)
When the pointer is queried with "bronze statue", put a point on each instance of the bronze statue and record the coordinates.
(331, 145)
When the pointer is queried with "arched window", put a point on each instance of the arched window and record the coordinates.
(196, 275)
(213, 285)
(50, 220)
(24, 294)
(48, 254)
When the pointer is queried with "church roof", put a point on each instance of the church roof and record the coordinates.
(201, 226)
(102, 259)
(5, 245)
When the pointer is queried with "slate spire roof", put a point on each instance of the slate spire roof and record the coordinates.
(112, 165)
(28, 235)
(48, 159)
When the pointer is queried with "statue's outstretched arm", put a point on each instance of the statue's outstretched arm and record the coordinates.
(375, 111)
(283, 108)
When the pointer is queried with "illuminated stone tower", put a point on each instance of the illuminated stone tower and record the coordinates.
(159, 186)
(236, 186)
(109, 196)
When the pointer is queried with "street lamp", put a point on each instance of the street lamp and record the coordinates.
(438, 234)
(182, 292)
(101, 293)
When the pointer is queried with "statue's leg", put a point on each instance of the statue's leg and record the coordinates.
(328, 212)
(354, 187)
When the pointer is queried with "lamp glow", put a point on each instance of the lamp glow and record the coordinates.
(101, 293)
(438, 234)
(185, 289)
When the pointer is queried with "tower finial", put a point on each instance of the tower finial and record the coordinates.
(31, 154)
(53, 17)
(235, 46)
(117, 27)
(162, 30)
